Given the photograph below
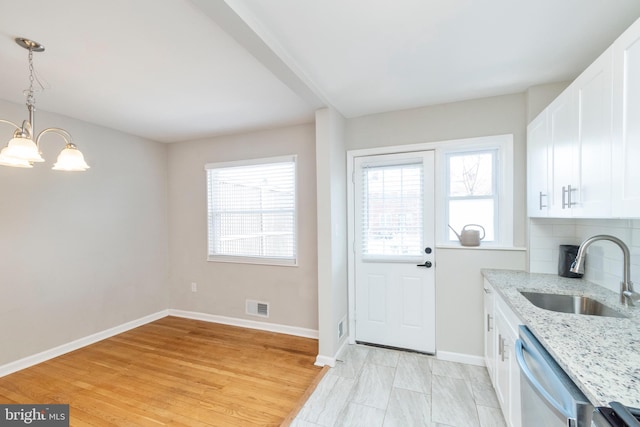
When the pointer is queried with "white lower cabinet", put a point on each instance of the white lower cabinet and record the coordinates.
(489, 331)
(500, 338)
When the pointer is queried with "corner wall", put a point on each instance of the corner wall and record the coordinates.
(80, 252)
(332, 232)
(222, 287)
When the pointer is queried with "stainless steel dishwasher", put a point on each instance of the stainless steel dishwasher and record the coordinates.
(548, 396)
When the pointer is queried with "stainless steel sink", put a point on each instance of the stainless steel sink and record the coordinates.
(575, 304)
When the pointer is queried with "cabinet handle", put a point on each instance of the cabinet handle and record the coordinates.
(566, 197)
(504, 344)
(571, 190)
(489, 323)
(500, 343)
(540, 200)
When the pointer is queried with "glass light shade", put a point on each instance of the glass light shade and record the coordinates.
(23, 149)
(70, 159)
(12, 161)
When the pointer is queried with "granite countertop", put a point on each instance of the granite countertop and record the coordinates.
(600, 354)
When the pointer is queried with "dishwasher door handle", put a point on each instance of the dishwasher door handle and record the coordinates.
(571, 421)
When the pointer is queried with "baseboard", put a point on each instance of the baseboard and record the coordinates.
(28, 361)
(244, 323)
(460, 358)
(325, 361)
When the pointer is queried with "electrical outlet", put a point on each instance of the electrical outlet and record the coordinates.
(194, 287)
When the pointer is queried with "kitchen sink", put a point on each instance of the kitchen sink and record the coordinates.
(575, 304)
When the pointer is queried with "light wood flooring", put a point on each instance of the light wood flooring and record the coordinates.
(176, 372)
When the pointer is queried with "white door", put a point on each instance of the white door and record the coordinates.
(394, 250)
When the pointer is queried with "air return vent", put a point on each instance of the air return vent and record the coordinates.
(258, 308)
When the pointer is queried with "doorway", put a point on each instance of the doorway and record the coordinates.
(394, 250)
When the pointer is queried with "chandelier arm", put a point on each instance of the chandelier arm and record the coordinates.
(63, 133)
(10, 123)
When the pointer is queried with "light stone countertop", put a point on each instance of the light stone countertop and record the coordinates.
(600, 354)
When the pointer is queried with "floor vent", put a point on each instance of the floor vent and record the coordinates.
(257, 308)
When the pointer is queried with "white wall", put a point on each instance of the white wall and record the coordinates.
(80, 252)
(460, 295)
(458, 280)
(332, 231)
(224, 287)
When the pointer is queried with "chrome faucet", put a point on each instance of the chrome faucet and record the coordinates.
(627, 294)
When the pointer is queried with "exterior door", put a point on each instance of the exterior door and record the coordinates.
(394, 250)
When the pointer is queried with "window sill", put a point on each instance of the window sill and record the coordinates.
(254, 260)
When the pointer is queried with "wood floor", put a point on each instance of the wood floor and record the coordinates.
(176, 372)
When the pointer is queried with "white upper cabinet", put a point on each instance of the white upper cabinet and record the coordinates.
(564, 182)
(626, 124)
(577, 131)
(537, 166)
(592, 92)
(569, 149)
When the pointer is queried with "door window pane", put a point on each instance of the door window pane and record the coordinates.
(392, 217)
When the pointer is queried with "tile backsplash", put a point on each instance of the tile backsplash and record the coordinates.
(604, 259)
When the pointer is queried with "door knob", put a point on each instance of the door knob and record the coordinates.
(427, 264)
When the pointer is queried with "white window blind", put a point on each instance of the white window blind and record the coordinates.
(252, 211)
(392, 211)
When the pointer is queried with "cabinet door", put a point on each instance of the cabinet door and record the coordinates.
(515, 412)
(593, 94)
(626, 124)
(489, 331)
(538, 166)
(562, 136)
(507, 373)
(502, 373)
(502, 369)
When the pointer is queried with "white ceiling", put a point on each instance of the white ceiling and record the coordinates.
(178, 70)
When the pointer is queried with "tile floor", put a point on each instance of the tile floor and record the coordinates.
(379, 387)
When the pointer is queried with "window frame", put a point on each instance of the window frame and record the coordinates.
(503, 186)
(249, 259)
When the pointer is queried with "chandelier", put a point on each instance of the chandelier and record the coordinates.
(23, 150)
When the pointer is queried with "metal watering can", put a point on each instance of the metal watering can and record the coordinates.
(469, 237)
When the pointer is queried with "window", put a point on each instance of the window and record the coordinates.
(252, 211)
(477, 188)
(472, 196)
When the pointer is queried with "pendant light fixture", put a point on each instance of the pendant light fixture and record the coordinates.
(22, 151)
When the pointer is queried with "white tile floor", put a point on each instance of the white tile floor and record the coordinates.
(378, 387)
